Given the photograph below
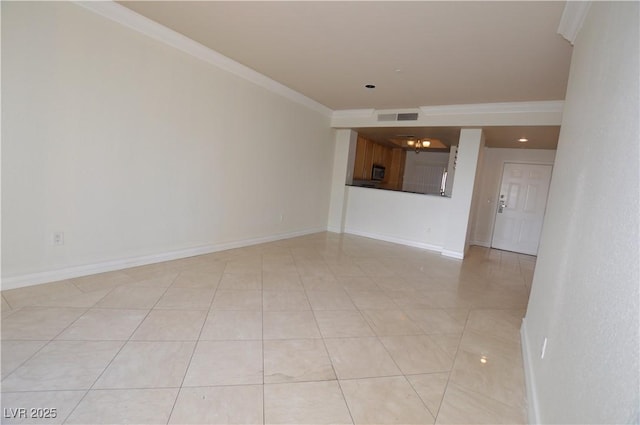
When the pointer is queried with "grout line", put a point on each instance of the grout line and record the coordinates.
(324, 343)
(54, 337)
(117, 353)
(195, 345)
(420, 398)
(46, 342)
(327, 246)
(7, 301)
(453, 366)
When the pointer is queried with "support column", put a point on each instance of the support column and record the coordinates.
(471, 142)
(343, 157)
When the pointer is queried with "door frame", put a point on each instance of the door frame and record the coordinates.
(496, 193)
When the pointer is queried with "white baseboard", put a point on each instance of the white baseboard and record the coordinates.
(394, 239)
(452, 254)
(480, 243)
(334, 229)
(533, 414)
(19, 281)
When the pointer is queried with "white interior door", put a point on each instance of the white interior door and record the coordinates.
(521, 205)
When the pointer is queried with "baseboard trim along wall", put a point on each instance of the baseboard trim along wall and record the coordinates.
(533, 415)
(20, 281)
(393, 239)
(480, 243)
(452, 254)
(334, 229)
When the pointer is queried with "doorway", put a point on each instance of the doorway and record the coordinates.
(521, 206)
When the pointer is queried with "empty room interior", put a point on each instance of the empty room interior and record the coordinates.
(324, 212)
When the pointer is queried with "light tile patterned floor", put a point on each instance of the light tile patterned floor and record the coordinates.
(318, 329)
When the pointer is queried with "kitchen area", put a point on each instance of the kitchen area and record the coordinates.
(405, 163)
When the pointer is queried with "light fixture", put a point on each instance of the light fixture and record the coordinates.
(418, 144)
(523, 140)
(483, 359)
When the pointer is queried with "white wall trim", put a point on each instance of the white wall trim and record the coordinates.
(452, 254)
(480, 243)
(533, 413)
(497, 108)
(127, 17)
(573, 16)
(393, 239)
(30, 279)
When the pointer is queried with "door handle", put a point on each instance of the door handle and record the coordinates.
(501, 206)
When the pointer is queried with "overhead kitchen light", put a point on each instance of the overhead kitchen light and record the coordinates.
(523, 140)
(411, 141)
(418, 144)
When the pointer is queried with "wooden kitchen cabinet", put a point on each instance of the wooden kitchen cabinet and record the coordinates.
(378, 154)
(395, 169)
(368, 160)
(369, 153)
(360, 166)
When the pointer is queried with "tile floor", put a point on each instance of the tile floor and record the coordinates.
(320, 329)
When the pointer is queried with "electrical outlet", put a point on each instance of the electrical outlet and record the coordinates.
(58, 238)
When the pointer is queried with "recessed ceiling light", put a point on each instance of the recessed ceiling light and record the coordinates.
(370, 86)
(523, 140)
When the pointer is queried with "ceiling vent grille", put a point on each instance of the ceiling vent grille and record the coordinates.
(387, 117)
(408, 117)
(412, 116)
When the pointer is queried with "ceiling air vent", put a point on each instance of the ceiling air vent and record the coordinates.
(412, 116)
(387, 117)
(408, 117)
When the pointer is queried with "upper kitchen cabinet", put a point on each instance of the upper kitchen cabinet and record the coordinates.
(364, 159)
(395, 172)
(370, 153)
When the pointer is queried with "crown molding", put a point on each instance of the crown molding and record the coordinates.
(494, 108)
(572, 19)
(127, 17)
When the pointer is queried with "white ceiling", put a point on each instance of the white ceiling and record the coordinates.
(417, 53)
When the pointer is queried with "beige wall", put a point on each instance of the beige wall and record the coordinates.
(133, 148)
(585, 297)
